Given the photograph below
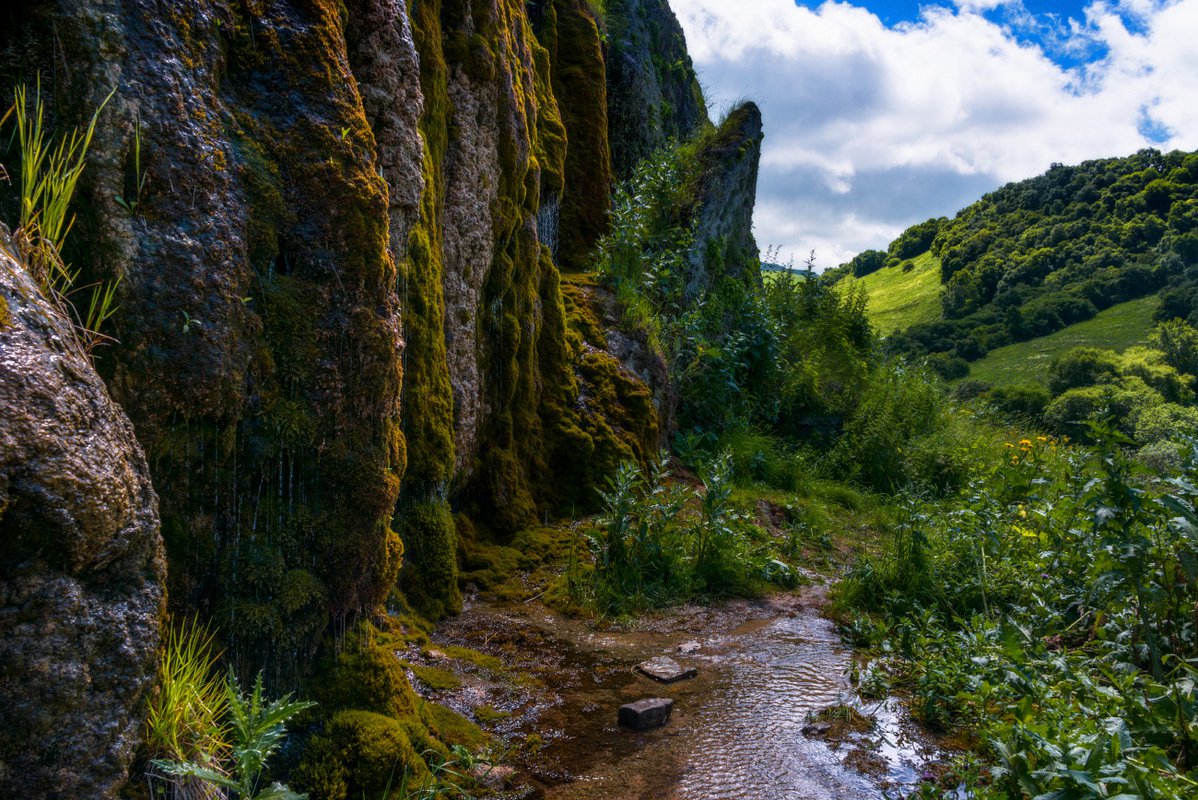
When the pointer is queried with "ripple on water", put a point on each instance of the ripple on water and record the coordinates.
(748, 742)
(736, 732)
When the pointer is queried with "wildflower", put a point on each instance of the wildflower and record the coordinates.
(1008, 444)
(1041, 438)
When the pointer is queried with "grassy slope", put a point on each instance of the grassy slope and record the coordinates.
(900, 299)
(1117, 328)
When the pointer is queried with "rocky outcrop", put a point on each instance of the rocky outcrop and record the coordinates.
(653, 95)
(723, 192)
(81, 560)
(259, 330)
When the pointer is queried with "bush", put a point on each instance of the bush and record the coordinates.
(949, 367)
(900, 403)
(1082, 366)
(657, 544)
(1026, 400)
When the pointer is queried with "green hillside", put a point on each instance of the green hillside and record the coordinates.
(1117, 328)
(1040, 255)
(900, 298)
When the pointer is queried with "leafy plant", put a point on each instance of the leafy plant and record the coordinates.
(185, 719)
(256, 729)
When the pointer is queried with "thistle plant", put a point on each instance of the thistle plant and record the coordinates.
(256, 729)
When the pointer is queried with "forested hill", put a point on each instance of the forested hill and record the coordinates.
(1041, 254)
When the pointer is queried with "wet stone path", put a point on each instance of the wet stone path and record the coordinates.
(765, 667)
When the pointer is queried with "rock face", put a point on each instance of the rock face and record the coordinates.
(339, 210)
(725, 193)
(571, 34)
(652, 92)
(81, 560)
(260, 331)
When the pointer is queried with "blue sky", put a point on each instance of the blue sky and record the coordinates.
(882, 114)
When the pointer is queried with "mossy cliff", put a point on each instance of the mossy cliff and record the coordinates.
(343, 335)
(573, 36)
(653, 95)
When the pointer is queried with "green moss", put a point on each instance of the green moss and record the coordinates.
(430, 577)
(487, 714)
(570, 32)
(487, 662)
(367, 674)
(5, 314)
(359, 754)
(452, 728)
(438, 680)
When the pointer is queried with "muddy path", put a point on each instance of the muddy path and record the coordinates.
(742, 728)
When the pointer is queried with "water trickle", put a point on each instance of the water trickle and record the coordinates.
(764, 669)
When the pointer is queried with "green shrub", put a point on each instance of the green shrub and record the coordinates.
(656, 544)
(1023, 400)
(1082, 366)
(900, 402)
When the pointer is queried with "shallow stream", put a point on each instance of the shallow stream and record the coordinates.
(765, 667)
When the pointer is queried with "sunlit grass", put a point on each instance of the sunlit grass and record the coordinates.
(899, 299)
(1117, 328)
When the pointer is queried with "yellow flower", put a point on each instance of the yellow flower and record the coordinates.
(1025, 442)
(1007, 444)
(1041, 438)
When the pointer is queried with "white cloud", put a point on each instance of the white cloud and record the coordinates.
(870, 128)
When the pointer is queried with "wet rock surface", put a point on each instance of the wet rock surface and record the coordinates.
(765, 668)
(665, 669)
(646, 715)
(81, 565)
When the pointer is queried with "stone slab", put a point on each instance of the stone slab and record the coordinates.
(665, 669)
(647, 714)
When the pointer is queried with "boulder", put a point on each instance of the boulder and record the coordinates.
(647, 714)
(81, 562)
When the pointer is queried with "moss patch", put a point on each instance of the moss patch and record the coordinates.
(570, 32)
(439, 680)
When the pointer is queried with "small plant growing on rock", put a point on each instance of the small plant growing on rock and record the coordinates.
(256, 729)
(48, 176)
(207, 738)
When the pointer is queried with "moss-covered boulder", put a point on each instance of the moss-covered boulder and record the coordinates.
(81, 562)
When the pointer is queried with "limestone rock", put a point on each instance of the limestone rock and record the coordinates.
(260, 343)
(665, 670)
(647, 714)
(81, 563)
(652, 92)
(723, 211)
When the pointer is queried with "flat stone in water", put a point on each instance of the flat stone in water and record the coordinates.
(665, 669)
(647, 714)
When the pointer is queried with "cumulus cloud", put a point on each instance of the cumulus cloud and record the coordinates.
(871, 128)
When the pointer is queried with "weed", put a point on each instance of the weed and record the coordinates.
(186, 711)
(256, 729)
(49, 174)
(139, 175)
